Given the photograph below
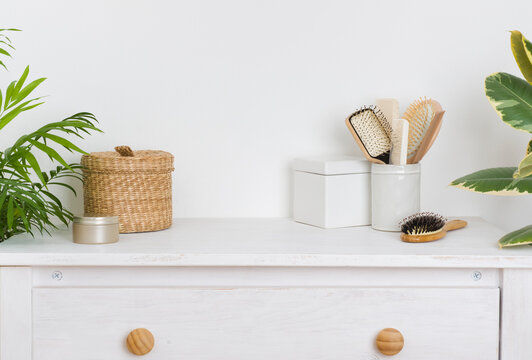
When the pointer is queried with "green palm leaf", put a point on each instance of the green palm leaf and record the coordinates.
(26, 201)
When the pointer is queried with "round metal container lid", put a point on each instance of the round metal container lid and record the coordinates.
(96, 220)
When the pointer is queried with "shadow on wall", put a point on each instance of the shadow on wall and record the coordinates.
(508, 212)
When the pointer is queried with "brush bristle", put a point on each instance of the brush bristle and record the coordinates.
(419, 114)
(422, 223)
(374, 131)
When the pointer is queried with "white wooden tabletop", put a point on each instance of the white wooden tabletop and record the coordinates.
(269, 242)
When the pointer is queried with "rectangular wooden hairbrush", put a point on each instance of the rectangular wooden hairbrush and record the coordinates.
(372, 133)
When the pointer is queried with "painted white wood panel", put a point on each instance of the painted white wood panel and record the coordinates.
(516, 318)
(15, 313)
(263, 277)
(265, 324)
(270, 242)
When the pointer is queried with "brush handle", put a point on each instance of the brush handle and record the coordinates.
(454, 225)
(422, 238)
(399, 142)
(389, 107)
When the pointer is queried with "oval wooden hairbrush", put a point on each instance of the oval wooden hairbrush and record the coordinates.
(424, 117)
(427, 226)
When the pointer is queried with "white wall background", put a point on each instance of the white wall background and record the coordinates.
(236, 89)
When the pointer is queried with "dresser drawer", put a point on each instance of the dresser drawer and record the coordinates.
(262, 323)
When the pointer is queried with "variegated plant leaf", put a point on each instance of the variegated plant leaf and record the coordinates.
(511, 97)
(525, 167)
(496, 181)
(522, 50)
(522, 236)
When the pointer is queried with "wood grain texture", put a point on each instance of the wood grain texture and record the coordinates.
(516, 323)
(430, 137)
(140, 341)
(15, 313)
(390, 341)
(454, 225)
(265, 324)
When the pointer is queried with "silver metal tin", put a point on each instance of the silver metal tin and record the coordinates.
(95, 230)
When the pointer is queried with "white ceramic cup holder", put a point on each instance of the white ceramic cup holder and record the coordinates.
(394, 194)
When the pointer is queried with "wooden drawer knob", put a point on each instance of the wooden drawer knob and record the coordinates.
(140, 341)
(390, 341)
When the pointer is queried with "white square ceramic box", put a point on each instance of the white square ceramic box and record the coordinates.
(332, 192)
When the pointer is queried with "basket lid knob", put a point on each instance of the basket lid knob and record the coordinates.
(124, 150)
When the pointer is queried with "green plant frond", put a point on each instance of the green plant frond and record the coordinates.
(25, 106)
(21, 80)
(5, 45)
(65, 186)
(63, 142)
(53, 198)
(18, 96)
(27, 203)
(8, 44)
(10, 214)
(15, 99)
(52, 154)
(38, 138)
(9, 92)
(32, 161)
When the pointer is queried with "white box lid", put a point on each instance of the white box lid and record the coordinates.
(333, 165)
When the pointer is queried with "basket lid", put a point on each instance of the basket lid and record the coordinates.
(126, 160)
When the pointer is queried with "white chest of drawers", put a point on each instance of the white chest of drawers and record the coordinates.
(266, 289)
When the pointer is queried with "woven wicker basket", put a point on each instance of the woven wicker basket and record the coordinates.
(136, 186)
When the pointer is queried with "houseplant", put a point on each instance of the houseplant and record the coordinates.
(27, 202)
(511, 97)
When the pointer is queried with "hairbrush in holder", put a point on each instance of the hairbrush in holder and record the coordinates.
(431, 133)
(427, 226)
(399, 142)
(419, 115)
(372, 132)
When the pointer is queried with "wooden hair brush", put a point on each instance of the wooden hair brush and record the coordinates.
(424, 117)
(372, 132)
(427, 226)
